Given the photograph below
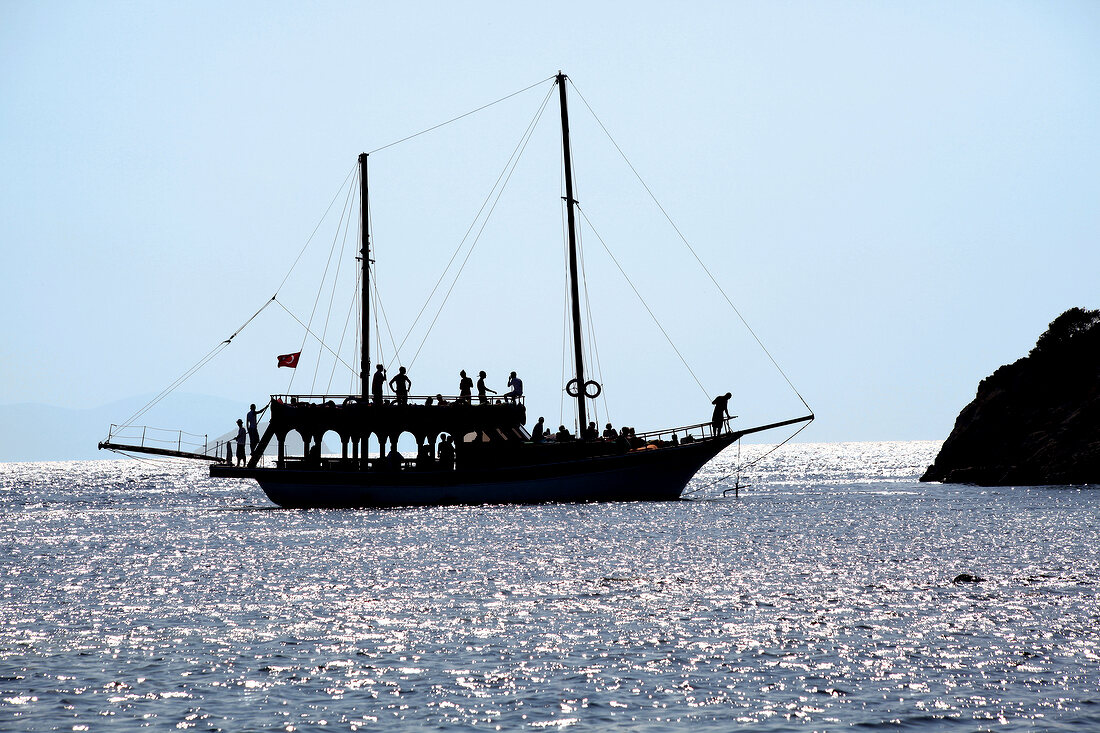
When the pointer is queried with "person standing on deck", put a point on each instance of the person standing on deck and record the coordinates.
(253, 428)
(400, 386)
(446, 453)
(515, 386)
(240, 442)
(377, 383)
(721, 411)
(465, 385)
(482, 389)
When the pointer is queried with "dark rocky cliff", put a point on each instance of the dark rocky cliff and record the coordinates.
(1035, 421)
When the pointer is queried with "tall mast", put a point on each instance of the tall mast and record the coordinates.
(364, 253)
(574, 288)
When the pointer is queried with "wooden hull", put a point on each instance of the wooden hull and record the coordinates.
(643, 475)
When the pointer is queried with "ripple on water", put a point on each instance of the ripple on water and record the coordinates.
(821, 596)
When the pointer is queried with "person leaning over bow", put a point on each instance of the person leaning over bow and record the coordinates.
(721, 411)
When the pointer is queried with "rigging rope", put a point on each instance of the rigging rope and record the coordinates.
(354, 168)
(352, 386)
(566, 332)
(473, 223)
(344, 331)
(644, 304)
(742, 466)
(566, 342)
(466, 114)
(331, 300)
(320, 289)
(386, 320)
(514, 162)
(372, 283)
(217, 349)
(194, 368)
(311, 333)
(690, 248)
(591, 329)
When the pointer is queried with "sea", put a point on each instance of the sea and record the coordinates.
(812, 590)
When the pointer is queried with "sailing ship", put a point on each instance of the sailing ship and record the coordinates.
(494, 458)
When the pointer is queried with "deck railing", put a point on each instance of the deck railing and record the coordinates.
(144, 436)
(412, 400)
(692, 432)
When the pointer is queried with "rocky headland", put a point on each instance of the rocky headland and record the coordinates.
(1035, 421)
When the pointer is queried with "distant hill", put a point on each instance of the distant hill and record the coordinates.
(32, 432)
(1035, 421)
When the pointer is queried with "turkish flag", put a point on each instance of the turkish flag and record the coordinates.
(289, 360)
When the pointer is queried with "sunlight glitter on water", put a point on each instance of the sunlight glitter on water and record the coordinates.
(819, 597)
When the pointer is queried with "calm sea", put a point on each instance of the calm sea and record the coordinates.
(142, 594)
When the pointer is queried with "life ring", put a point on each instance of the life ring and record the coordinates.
(573, 390)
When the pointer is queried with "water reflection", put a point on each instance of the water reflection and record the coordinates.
(821, 596)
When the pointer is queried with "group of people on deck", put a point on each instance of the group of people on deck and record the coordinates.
(446, 453)
(625, 436)
(401, 383)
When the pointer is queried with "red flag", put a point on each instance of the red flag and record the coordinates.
(289, 360)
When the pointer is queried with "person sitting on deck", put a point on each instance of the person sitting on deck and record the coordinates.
(439, 400)
(377, 383)
(563, 435)
(394, 459)
(240, 442)
(721, 411)
(482, 389)
(515, 385)
(609, 432)
(591, 432)
(424, 459)
(465, 385)
(400, 386)
(428, 402)
(539, 431)
(675, 440)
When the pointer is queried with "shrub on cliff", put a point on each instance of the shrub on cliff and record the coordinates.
(1067, 329)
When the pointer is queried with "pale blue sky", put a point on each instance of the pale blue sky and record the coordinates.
(899, 197)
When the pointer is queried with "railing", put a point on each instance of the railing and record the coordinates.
(144, 436)
(226, 452)
(704, 430)
(412, 400)
(683, 434)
